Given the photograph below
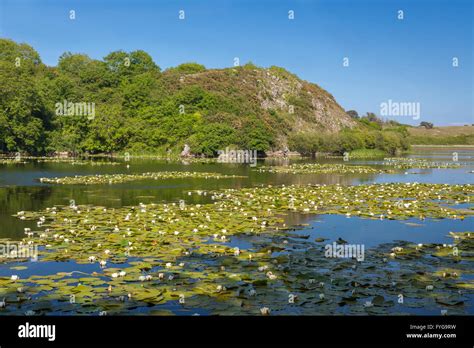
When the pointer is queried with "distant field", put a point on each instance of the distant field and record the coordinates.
(442, 131)
(452, 135)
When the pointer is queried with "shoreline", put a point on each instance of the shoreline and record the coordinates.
(447, 146)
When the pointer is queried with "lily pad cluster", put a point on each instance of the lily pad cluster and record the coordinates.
(78, 162)
(379, 201)
(323, 168)
(11, 161)
(407, 163)
(182, 258)
(121, 178)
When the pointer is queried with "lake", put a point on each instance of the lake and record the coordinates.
(20, 190)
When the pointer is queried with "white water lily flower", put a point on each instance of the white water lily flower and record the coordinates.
(368, 304)
(107, 251)
(271, 276)
(122, 273)
(115, 275)
(429, 287)
(142, 278)
(265, 311)
(321, 296)
(103, 263)
(168, 265)
(91, 258)
(14, 277)
(3, 304)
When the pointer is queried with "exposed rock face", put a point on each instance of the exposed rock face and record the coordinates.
(313, 107)
(186, 151)
(278, 98)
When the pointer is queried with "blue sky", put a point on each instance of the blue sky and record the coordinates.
(407, 60)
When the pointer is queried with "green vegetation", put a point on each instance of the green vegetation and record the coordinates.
(326, 168)
(366, 153)
(427, 125)
(138, 108)
(121, 178)
(406, 163)
(450, 135)
(150, 255)
(125, 103)
(465, 139)
(388, 141)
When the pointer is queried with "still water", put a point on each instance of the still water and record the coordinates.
(20, 190)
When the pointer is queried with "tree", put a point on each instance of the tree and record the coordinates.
(427, 125)
(353, 114)
(188, 68)
(23, 111)
(212, 137)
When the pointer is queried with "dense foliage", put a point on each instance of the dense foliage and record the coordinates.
(389, 140)
(135, 107)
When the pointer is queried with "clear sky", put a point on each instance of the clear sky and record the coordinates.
(409, 60)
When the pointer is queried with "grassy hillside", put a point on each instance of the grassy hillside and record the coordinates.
(450, 135)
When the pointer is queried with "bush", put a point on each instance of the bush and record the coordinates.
(387, 142)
